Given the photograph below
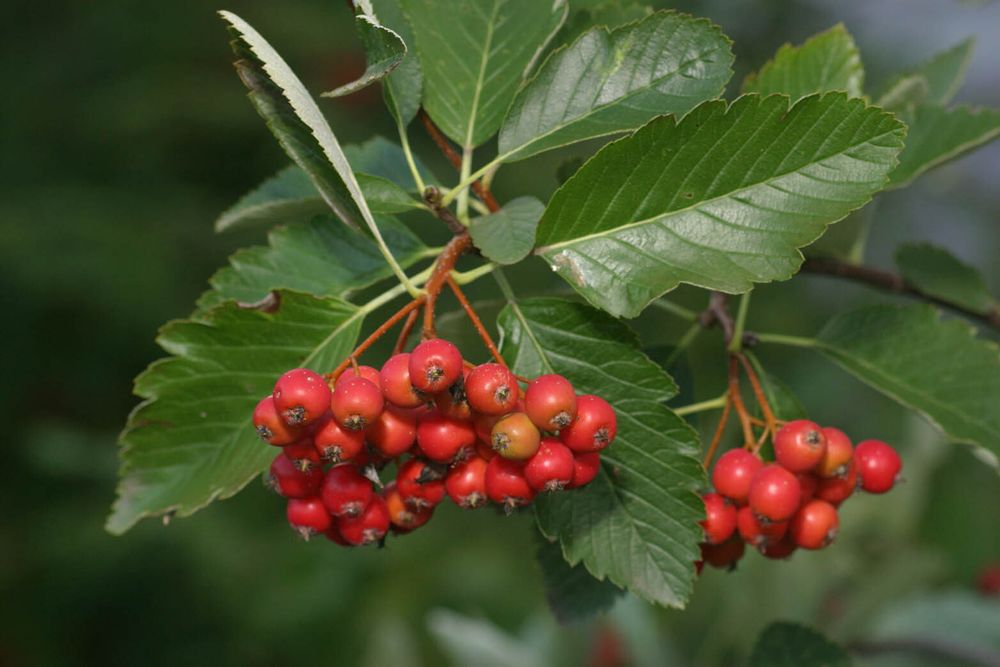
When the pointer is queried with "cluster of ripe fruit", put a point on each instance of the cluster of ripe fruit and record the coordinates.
(452, 428)
(792, 503)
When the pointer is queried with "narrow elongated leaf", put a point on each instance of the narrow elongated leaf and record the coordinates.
(507, 236)
(384, 50)
(636, 523)
(191, 441)
(609, 82)
(474, 55)
(943, 74)
(404, 85)
(828, 61)
(721, 200)
(936, 367)
(939, 273)
(791, 645)
(939, 135)
(572, 592)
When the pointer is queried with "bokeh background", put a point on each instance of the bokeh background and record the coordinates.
(124, 132)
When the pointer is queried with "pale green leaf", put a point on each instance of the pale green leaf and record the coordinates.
(791, 645)
(507, 236)
(610, 82)
(905, 93)
(937, 272)
(404, 85)
(571, 591)
(380, 157)
(384, 50)
(722, 199)
(943, 74)
(477, 642)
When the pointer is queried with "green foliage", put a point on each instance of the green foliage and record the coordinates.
(404, 85)
(937, 272)
(942, 75)
(384, 50)
(790, 645)
(572, 592)
(507, 236)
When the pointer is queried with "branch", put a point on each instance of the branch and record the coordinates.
(444, 145)
(442, 269)
(895, 283)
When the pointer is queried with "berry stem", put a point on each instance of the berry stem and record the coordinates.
(770, 421)
(720, 428)
(476, 322)
(442, 268)
(735, 395)
(404, 333)
(375, 335)
(781, 339)
(703, 406)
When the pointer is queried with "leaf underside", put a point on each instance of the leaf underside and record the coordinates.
(384, 51)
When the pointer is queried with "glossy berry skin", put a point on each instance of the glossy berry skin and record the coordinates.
(369, 527)
(585, 469)
(723, 556)
(357, 403)
(732, 474)
(552, 466)
(445, 440)
(838, 454)
(781, 549)
(434, 365)
(369, 373)
(396, 385)
(878, 466)
(303, 454)
(419, 484)
(308, 516)
(754, 532)
(799, 445)
(720, 519)
(550, 402)
(402, 516)
(336, 444)
(393, 432)
(808, 483)
(345, 491)
(836, 490)
(515, 437)
(594, 427)
(484, 426)
(815, 525)
(271, 427)
(466, 483)
(291, 482)
(333, 534)
(301, 396)
(774, 493)
(506, 484)
(491, 389)
(453, 401)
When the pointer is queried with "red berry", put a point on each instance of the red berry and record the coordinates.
(484, 426)
(593, 428)
(333, 534)
(420, 484)
(781, 549)
(837, 455)
(369, 373)
(799, 445)
(301, 396)
(402, 516)
(754, 532)
(336, 444)
(989, 580)
(506, 484)
(271, 427)
(291, 482)
(368, 527)
(445, 440)
(552, 466)
(357, 403)
(725, 555)
(732, 474)
(815, 525)
(774, 493)
(492, 389)
(484, 451)
(346, 492)
(720, 519)
(878, 465)
(585, 469)
(303, 454)
(435, 365)
(393, 432)
(453, 401)
(550, 402)
(396, 385)
(515, 437)
(836, 490)
(808, 483)
(466, 483)
(308, 516)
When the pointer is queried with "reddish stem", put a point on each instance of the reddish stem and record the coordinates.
(444, 145)
(404, 333)
(476, 322)
(442, 269)
(737, 398)
(719, 430)
(375, 335)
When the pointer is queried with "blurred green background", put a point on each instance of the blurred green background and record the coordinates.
(124, 133)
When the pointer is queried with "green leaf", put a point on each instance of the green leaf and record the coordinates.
(721, 199)
(380, 157)
(938, 135)
(825, 62)
(572, 592)
(791, 645)
(384, 50)
(936, 367)
(636, 523)
(609, 13)
(191, 440)
(384, 196)
(609, 82)
(477, 642)
(937, 272)
(319, 257)
(474, 55)
(405, 84)
(905, 93)
(943, 74)
(507, 236)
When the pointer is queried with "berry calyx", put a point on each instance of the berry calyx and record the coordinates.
(774, 493)
(733, 472)
(491, 389)
(345, 492)
(550, 401)
(836, 490)
(754, 532)
(271, 427)
(466, 483)
(838, 454)
(420, 484)
(301, 396)
(515, 437)
(393, 432)
(506, 484)
(585, 469)
(445, 440)
(369, 527)
(395, 382)
(594, 427)
(307, 516)
(357, 403)
(336, 444)
(403, 516)
(799, 445)
(434, 365)
(720, 519)
(286, 479)
(453, 401)
(552, 466)
(303, 455)
(878, 466)
(815, 525)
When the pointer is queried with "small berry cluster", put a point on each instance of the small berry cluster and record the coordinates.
(466, 431)
(791, 503)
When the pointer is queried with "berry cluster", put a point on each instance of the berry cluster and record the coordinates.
(452, 428)
(792, 503)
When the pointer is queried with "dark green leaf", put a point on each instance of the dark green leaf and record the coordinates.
(609, 13)
(943, 74)
(636, 524)
(609, 82)
(384, 50)
(936, 271)
(474, 55)
(405, 84)
(828, 61)
(572, 592)
(384, 196)
(720, 200)
(790, 645)
(380, 157)
(191, 441)
(507, 236)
